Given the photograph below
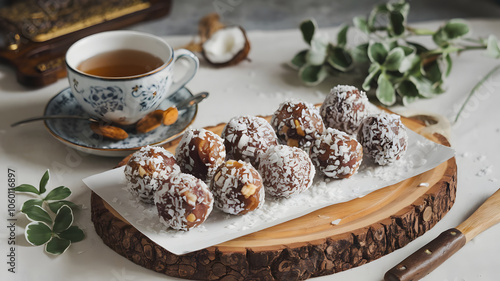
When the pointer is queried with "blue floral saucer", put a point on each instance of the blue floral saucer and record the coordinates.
(77, 134)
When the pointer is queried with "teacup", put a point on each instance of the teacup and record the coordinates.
(124, 100)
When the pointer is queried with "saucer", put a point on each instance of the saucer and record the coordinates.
(77, 134)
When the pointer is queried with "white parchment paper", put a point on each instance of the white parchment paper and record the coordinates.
(422, 155)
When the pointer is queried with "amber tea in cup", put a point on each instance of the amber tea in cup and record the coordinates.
(120, 76)
(120, 63)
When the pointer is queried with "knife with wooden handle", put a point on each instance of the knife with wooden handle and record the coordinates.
(429, 257)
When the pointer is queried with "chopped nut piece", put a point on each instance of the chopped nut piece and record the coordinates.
(191, 217)
(299, 130)
(150, 122)
(191, 198)
(142, 172)
(248, 190)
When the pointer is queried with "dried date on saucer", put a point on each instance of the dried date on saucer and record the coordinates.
(246, 137)
(237, 188)
(200, 152)
(146, 169)
(384, 138)
(297, 123)
(286, 171)
(344, 108)
(336, 154)
(183, 201)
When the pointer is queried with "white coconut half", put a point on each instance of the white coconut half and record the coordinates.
(227, 46)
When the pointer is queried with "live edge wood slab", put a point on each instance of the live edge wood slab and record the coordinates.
(370, 227)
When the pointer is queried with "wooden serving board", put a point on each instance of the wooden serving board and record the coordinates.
(370, 227)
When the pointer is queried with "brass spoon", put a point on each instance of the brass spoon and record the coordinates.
(184, 104)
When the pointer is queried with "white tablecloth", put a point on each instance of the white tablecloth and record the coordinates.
(255, 87)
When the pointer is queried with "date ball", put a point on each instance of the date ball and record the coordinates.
(246, 137)
(183, 201)
(297, 123)
(200, 152)
(286, 171)
(146, 169)
(384, 138)
(336, 154)
(237, 188)
(344, 108)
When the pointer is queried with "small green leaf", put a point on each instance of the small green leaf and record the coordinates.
(374, 71)
(312, 75)
(379, 9)
(394, 59)
(57, 246)
(26, 188)
(37, 233)
(396, 20)
(63, 220)
(55, 206)
(43, 182)
(433, 72)
(449, 64)
(456, 28)
(58, 193)
(408, 91)
(37, 213)
(73, 234)
(418, 47)
(339, 58)
(342, 36)
(300, 59)
(360, 53)
(308, 27)
(385, 91)
(492, 48)
(361, 24)
(30, 203)
(316, 55)
(423, 85)
(377, 52)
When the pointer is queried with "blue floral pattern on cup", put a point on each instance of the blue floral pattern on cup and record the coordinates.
(149, 96)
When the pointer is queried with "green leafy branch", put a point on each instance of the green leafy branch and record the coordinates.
(398, 68)
(51, 216)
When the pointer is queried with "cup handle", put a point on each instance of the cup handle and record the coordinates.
(193, 68)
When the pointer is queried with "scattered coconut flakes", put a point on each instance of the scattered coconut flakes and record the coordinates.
(484, 171)
(424, 184)
(335, 222)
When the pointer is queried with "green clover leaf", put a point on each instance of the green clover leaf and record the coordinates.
(57, 246)
(26, 188)
(30, 203)
(313, 74)
(339, 58)
(37, 213)
(299, 59)
(385, 91)
(308, 27)
(63, 220)
(55, 206)
(37, 233)
(58, 193)
(342, 36)
(397, 25)
(394, 59)
(43, 182)
(73, 234)
(377, 52)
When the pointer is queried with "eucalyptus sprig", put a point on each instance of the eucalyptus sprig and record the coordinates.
(51, 217)
(398, 68)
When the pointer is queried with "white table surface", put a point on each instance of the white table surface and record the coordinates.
(255, 87)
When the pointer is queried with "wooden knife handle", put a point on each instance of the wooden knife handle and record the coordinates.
(427, 258)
